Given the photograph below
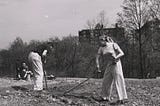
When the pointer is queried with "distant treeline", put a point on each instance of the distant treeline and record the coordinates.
(70, 58)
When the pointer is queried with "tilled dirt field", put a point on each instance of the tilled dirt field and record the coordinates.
(19, 93)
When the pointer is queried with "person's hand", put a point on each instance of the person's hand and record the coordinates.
(98, 70)
(113, 57)
(114, 60)
(44, 61)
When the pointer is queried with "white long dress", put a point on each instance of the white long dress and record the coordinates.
(113, 73)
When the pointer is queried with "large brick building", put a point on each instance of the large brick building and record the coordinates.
(92, 36)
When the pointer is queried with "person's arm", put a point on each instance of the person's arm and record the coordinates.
(44, 56)
(119, 52)
(97, 60)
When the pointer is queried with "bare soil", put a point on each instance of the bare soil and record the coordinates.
(140, 92)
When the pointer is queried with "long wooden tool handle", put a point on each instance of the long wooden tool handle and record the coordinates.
(45, 79)
(75, 86)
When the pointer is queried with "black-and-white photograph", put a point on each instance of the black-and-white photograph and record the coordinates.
(79, 52)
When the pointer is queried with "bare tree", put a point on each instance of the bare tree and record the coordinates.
(155, 13)
(154, 8)
(100, 19)
(134, 15)
(91, 24)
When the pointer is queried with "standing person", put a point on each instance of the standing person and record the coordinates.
(36, 59)
(111, 53)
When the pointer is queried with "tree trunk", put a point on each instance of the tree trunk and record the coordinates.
(140, 55)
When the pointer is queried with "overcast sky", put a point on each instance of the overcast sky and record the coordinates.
(43, 19)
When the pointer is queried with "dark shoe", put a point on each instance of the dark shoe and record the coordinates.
(119, 102)
(17, 79)
(101, 99)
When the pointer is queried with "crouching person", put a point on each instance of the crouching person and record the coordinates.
(24, 73)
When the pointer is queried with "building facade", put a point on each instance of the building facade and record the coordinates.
(92, 36)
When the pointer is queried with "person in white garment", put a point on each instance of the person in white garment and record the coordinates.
(111, 54)
(37, 57)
